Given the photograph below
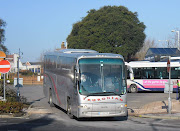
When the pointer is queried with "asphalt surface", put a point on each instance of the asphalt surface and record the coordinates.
(43, 117)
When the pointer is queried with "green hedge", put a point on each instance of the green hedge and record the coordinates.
(27, 73)
(10, 107)
(11, 81)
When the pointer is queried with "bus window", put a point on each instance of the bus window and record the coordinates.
(100, 73)
(137, 73)
(175, 72)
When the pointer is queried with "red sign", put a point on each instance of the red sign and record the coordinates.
(168, 66)
(4, 66)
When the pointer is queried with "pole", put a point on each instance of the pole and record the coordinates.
(169, 99)
(4, 89)
(18, 92)
(178, 40)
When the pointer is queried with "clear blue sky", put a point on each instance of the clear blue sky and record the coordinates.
(35, 26)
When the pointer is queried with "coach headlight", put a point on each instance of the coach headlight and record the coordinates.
(121, 106)
(86, 107)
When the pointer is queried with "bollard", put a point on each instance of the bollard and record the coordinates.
(177, 93)
(178, 90)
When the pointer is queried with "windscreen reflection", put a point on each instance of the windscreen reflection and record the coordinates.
(102, 76)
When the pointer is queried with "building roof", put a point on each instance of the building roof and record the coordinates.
(36, 63)
(163, 51)
(10, 58)
(160, 52)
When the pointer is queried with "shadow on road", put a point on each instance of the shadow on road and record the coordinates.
(102, 119)
(36, 100)
(27, 125)
(165, 106)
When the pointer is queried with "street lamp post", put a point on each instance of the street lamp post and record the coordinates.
(178, 37)
(18, 85)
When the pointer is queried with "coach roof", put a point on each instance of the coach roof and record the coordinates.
(81, 52)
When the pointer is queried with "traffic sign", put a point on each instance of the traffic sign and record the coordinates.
(168, 66)
(4, 66)
(20, 82)
(168, 89)
(2, 55)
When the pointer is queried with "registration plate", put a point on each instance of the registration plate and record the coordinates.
(103, 113)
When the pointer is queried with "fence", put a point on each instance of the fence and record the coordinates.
(32, 80)
(29, 80)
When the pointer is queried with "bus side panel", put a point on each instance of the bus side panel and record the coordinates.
(152, 84)
(55, 95)
(67, 90)
(62, 90)
(159, 84)
(45, 86)
(45, 80)
(50, 85)
(74, 96)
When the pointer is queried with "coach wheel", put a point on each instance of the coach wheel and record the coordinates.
(50, 99)
(125, 118)
(133, 88)
(69, 113)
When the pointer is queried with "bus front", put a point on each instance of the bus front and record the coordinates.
(102, 87)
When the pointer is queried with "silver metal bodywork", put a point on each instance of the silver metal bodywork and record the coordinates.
(61, 81)
(102, 106)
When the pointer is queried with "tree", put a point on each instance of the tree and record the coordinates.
(148, 43)
(110, 29)
(2, 36)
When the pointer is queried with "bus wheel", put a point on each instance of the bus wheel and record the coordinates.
(50, 99)
(133, 88)
(69, 109)
(125, 118)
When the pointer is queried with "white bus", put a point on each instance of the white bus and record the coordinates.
(86, 83)
(152, 76)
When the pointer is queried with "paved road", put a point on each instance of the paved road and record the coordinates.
(54, 123)
(58, 120)
(136, 100)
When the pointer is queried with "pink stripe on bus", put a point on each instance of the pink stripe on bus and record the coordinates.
(54, 85)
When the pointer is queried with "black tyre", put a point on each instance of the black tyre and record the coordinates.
(69, 113)
(50, 99)
(125, 118)
(133, 88)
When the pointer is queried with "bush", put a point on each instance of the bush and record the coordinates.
(10, 107)
(26, 73)
(11, 81)
(9, 92)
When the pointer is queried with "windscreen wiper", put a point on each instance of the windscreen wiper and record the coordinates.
(112, 92)
(94, 94)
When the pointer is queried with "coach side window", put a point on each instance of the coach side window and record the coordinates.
(62, 62)
(45, 62)
(48, 62)
(59, 63)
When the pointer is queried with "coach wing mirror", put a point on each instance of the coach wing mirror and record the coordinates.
(77, 75)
